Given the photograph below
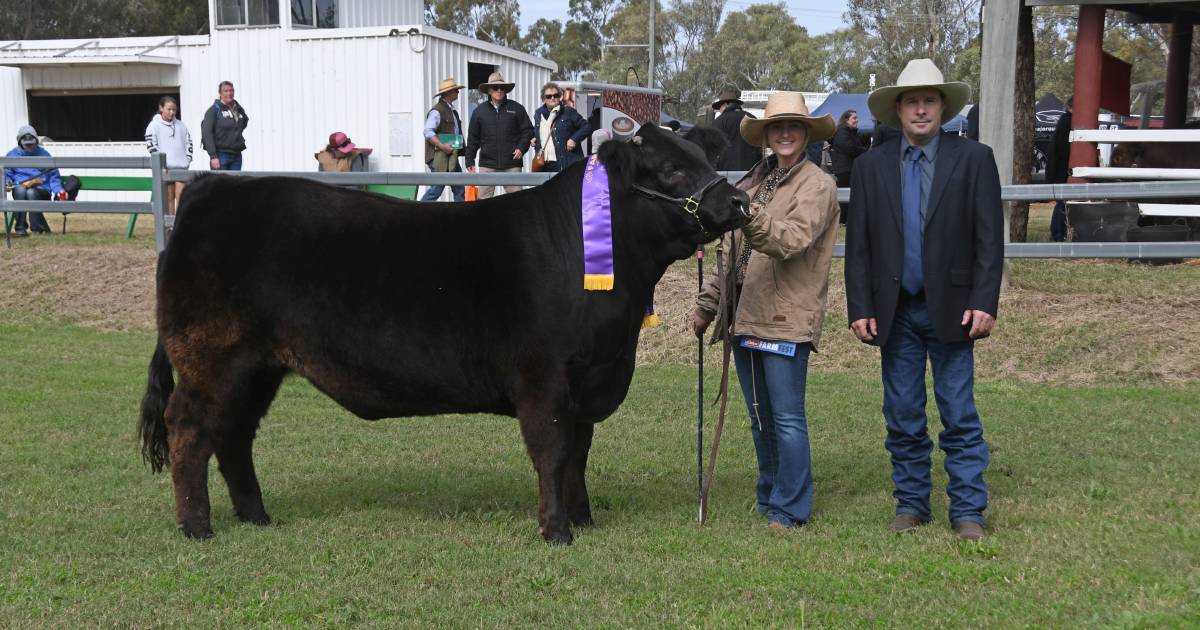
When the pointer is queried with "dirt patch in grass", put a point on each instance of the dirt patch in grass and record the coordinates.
(1071, 322)
(1064, 322)
(108, 288)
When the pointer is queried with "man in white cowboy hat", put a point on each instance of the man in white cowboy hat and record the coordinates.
(924, 258)
(500, 132)
(444, 138)
(740, 155)
(782, 275)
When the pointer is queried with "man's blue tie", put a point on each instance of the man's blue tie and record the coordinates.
(913, 276)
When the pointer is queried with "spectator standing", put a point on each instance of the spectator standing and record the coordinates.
(559, 131)
(221, 131)
(782, 279)
(923, 283)
(1058, 159)
(32, 184)
(444, 138)
(499, 133)
(882, 133)
(845, 147)
(741, 155)
(167, 134)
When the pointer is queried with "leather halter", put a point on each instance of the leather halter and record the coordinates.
(689, 204)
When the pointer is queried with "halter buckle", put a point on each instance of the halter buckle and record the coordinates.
(691, 206)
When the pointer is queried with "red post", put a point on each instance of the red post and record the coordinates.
(1179, 52)
(1089, 40)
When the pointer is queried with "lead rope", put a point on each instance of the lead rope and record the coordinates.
(700, 395)
(725, 310)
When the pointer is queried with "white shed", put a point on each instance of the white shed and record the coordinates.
(364, 67)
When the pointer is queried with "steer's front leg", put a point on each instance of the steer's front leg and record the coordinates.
(548, 442)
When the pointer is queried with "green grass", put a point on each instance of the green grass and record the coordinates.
(430, 521)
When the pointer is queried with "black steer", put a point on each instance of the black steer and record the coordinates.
(397, 308)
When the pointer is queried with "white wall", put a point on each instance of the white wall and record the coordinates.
(13, 111)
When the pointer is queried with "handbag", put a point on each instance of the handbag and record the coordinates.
(539, 159)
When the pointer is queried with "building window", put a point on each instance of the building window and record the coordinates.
(318, 13)
(93, 117)
(247, 12)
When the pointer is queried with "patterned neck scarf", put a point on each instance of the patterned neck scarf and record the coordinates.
(762, 197)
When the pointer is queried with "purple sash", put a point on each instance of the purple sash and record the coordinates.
(598, 272)
(597, 229)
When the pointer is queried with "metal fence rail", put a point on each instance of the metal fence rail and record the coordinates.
(1022, 192)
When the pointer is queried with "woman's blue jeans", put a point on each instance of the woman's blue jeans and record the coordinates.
(37, 220)
(773, 386)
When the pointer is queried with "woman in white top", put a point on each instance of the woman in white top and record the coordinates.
(167, 133)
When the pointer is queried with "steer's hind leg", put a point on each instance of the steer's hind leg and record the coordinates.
(548, 441)
(579, 509)
(191, 444)
(234, 450)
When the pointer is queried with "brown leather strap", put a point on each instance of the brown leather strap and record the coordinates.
(726, 307)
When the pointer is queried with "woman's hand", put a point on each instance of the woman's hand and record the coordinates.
(700, 321)
(571, 144)
(215, 163)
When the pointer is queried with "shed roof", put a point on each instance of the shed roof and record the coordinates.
(1147, 10)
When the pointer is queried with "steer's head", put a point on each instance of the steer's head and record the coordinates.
(676, 177)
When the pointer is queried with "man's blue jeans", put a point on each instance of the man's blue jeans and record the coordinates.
(773, 386)
(433, 193)
(37, 220)
(911, 340)
(230, 161)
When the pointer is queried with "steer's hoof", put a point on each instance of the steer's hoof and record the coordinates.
(561, 537)
(259, 518)
(196, 531)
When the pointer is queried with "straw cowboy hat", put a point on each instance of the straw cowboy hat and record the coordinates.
(729, 94)
(447, 85)
(919, 73)
(783, 107)
(496, 79)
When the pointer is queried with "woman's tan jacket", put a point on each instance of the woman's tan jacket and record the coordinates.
(787, 281)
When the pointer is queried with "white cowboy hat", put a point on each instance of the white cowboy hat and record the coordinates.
(447, 85)
(782, 107)
(496, 79)
(919, 73)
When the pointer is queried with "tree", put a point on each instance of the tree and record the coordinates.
(911, 29)
(1022, 128)
(847, 57)
(494, 21)
(62, 19)
(574, 48)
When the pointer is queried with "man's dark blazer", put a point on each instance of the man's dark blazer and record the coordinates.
(963, 250)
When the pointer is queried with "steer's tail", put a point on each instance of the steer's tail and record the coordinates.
(153, 427)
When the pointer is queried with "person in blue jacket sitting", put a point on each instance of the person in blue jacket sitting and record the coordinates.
(32, 184)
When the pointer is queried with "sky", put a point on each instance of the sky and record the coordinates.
(817, 16)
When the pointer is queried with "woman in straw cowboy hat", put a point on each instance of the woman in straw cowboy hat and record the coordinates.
(499, 132)
(782, 271)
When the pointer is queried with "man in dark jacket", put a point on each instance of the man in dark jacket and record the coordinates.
(499, 132)
(221, 131)
(1057, 158)
(924, 258)
(740, 156)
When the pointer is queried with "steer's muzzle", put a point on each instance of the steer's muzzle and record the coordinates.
(741, 203)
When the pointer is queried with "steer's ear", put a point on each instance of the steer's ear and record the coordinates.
(710, 140)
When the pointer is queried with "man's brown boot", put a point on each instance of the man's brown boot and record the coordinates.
(906, 523)
(968, 530)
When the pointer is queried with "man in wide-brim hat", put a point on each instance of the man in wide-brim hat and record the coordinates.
(740, 156)
(496, 80)
(500, 132)
(924, 259)
(444, 139)
(782, 270)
